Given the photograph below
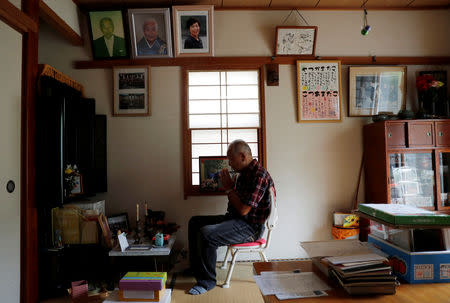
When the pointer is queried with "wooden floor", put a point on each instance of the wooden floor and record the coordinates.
(243, 288)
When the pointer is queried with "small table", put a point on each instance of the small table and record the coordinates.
(406, 293)
(139, 256)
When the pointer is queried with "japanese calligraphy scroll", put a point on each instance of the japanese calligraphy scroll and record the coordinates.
(319, 91)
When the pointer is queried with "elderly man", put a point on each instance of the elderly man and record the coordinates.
(109, 45)
(151, 44)
(248, 208)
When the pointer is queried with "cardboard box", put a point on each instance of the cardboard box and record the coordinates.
(416, 267)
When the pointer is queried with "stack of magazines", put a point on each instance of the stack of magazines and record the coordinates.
(363, 274)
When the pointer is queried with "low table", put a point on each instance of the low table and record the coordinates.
(406, 293)
(138, 260)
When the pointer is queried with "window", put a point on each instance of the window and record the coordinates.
(220, 106)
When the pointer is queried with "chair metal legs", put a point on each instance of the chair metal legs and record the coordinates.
(224, 265)
(230, 270)
(263, 256)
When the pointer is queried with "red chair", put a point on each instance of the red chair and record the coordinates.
(258, 246)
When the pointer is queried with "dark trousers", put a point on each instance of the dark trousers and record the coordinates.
(206, 234)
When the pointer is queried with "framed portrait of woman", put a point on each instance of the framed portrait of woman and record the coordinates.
(150, 32)
(193, 30)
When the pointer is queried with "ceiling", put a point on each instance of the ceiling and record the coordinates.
(272, 4)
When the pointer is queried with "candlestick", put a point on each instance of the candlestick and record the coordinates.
(137, 211)
(146, 211)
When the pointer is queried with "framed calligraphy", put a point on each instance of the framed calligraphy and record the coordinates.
(376, 89)
(319, 90)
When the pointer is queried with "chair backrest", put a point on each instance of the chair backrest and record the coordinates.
(271, 221)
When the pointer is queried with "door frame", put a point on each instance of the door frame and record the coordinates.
(26, 22)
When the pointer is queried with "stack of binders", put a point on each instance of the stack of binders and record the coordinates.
(143, 286)
(363, 274)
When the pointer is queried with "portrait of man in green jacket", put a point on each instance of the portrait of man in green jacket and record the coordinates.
(109, 45)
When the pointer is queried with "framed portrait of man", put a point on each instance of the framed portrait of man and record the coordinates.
(193, 30)
(108, 36)
(150, 32)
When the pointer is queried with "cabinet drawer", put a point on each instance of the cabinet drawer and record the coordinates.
(442, 133)
(395, 135)
(420, 134)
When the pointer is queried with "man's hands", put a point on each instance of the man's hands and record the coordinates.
(225, 177)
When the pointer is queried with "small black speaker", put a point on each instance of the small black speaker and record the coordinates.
(100, 163)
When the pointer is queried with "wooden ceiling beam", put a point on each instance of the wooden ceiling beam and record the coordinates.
(17, 19)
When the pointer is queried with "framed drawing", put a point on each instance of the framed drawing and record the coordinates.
(108, 36)
(193, 30)
(131, 91)
(150, 32)
(210, 168)
(118, 222)
(376, 89)
(296, 40)
(319, 91)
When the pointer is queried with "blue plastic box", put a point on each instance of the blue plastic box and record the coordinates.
(416, 267)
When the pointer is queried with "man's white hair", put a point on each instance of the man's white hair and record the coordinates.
(148, 21)
(239, 146)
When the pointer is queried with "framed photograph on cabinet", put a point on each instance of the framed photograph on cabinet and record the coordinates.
(193, 30)
(319, 90)
(118, 222)
(150, 32)
(131, 91)
(210, 168)
(296, 40)
(108, 36)
(376, 89)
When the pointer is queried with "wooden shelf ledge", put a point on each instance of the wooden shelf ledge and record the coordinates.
(258, 61)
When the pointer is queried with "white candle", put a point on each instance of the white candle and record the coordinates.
(146, 212)
(137, 212)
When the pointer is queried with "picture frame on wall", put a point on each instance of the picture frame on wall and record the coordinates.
(376, 89)
(209, 169)
(319, 91)
(108, 35)
(296, 41)
(193, 30)
(131, 91)
(150, 32)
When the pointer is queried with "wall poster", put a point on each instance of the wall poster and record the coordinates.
(319, 91)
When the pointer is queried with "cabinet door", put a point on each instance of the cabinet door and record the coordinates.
(395, 135)
(420, 134)
(442, 133)
(411, 179)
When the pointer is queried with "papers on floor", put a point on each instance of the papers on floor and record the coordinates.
(335, 248)
(291, 285)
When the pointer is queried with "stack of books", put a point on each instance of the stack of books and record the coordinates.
(363, 274)
(143, 287)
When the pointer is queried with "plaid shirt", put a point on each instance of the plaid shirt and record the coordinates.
(252, 187)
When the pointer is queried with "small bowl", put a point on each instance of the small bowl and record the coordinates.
(380, 117)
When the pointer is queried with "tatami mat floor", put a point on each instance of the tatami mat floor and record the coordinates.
(242, 289)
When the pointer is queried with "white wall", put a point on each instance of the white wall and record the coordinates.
(10, 117)
(314, 165)
(66, 10)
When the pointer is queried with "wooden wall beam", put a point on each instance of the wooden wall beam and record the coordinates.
(49, 16)
(29, 289)
(17, 19)
(258, 61)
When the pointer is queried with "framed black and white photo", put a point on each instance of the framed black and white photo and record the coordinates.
(193, 30)
(150, 32)
(296, 41)
(118, 222)
(131, 91)
(376, 89)
(108, 36)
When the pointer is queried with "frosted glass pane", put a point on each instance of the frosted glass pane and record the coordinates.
(243, 120)
(204, 121)
(223, 92)
(204, 78)
(242, 77)
(195, 165)
(254, 148)
(242, 92)
(243, 106)
(206, 150)
(224, 148)
(206, 136)
(204, 92)
(248, 135)
(224, 121)
(195, 179)
(225, 135)
(224, 106)
(223, 78)
(204, 107)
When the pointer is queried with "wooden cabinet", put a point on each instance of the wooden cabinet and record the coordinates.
(407, 162)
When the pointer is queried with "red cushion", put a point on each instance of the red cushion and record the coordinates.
(256, 243)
